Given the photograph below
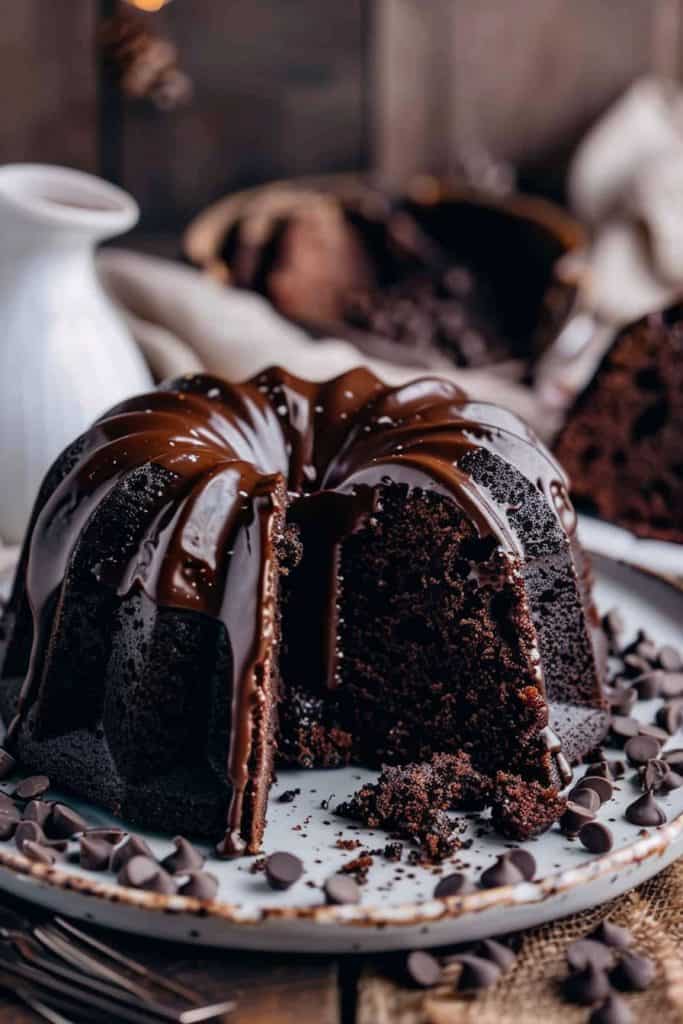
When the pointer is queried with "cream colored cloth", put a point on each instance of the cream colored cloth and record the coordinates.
(185, 321)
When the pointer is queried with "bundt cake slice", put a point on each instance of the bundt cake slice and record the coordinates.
(339, 571)
(621, 443)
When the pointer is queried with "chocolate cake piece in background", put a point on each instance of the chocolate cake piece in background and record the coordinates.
(439, 276)
(622, 442)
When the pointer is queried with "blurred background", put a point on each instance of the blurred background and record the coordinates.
(274, 88)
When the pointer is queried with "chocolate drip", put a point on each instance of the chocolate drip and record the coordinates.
(232, 453)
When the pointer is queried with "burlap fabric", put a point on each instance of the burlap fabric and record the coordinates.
(530, 992)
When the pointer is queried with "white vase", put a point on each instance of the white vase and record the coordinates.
(65, 353)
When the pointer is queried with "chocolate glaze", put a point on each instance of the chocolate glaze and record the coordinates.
(237, 455)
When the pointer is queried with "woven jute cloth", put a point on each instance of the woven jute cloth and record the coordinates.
(531, 991)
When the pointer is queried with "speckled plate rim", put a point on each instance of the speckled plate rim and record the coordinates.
(649, 844)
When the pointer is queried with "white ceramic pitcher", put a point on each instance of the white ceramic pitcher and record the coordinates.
(65, 353)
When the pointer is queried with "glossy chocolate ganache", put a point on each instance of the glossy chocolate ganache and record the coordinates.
(217, 536)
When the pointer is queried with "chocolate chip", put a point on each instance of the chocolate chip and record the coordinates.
(65, 822)
(614, 626)
(142, 872)
(600, 770)
(200, 885)
(672, 781)
(132, 846)
(648, 686)
(596, 837)
(497, 953)
(449, 885)
(654, 732)
(7, 763)
(653, 774)
(28, 831)
(673, 757)
(283, 870)
(37, 852)
(477, 972)
(8, 824)
(636, 665)
(574, 818)
(421, 969)
(341, 889)
(670, 659)
(503, 872)
(34, 785)
(8, 805)
(587, 986)
(185, 858)
(623, 727)
(612, 1010)
(37, 810)
(633, 973)
(614, 935)
(524, 861)
(645, 811)
(587, 798)
(588, 951)
(94, 854)
(641, 749)
(107, 835)
(670, 716)
(671, 685)
(603, 787)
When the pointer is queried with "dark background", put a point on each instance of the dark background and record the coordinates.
(286, 87)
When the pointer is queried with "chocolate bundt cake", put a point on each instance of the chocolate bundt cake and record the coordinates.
(621, 442)
(339, 572)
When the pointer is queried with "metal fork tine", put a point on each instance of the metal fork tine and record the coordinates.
(46, 1012)
(66, 951)
(137, 968)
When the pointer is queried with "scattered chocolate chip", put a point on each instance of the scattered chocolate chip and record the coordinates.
(37, 810)
(587, 986)
(654, 732)
(142, 872)
(28, 831)
(653, 774)
(670, 716)
(8, 805)
(283, 870)
(640, 749)
(341, 889)
(107, 835)
(524, 861)
(94, 854)
(614, 626)
(633, 973)
(672, 781)
(600, 769)
(670, 659)
(185, 858)
(648, 686)
(288, 795)
(673, 757)
(477, 972)
(596, 837)
(8, 824)
(503, 872)
(614, 935)
(421, 969)
(200, 885)
(132, 846)
(645, 811)
(7, 763)
(636, 665)
(612, 1010)
(671, 685)
(497, 953)
(574, 818)
(587, 798)
(603, 787)
(34, 785)
(589, 951)
(37, 852)
(623, 727)
(621, 696)
(65, 822)
(449, 885)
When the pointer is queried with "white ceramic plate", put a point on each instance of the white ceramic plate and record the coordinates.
(397, 908)
(614, 542)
